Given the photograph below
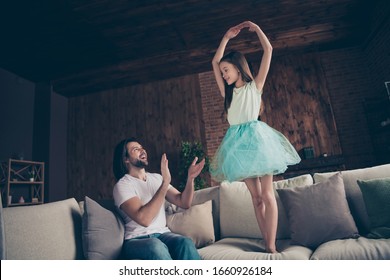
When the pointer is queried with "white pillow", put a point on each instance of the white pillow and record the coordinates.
(195, 222)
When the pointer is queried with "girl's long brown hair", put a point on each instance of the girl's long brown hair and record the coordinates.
(239, 61)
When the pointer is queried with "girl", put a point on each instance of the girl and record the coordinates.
(251, 151)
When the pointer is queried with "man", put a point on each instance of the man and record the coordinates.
(140, 198)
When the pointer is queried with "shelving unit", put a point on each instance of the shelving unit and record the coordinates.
(22, 179)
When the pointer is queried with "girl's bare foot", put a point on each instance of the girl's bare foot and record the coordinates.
(271, 250)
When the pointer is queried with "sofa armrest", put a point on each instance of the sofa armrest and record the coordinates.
(49, 231)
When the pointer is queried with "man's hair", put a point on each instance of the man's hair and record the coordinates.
(119, 166)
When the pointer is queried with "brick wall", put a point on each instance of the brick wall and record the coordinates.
(213, 112)
(348, 83)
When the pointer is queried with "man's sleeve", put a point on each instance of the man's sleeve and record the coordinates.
(122, 193)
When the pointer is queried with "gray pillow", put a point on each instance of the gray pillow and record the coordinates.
(318, 213)
(103, 232)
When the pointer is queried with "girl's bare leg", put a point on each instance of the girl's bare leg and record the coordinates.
(254, 188)
(271, 212)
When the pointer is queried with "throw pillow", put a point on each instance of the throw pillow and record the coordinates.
(237, 215)
(195, 222)
(318, 213)
(376, 196)
(103, 232)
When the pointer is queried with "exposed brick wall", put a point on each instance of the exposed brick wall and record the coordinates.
(348, 83)
(213, 112)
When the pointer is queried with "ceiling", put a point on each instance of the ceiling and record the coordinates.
(85, 46)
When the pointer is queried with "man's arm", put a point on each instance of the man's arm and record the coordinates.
(184, 199)
(144, 214)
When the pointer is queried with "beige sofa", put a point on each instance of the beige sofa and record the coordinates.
(221, 223)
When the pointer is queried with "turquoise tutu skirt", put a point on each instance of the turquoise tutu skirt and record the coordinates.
(252, 149)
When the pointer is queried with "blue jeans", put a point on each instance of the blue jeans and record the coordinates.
(157, 246)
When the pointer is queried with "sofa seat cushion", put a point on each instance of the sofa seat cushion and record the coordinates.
(49, 231)
(252, 249)
(354, 249)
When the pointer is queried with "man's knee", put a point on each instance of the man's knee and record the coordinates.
(185, 242)
(146, 249)
(187, 250)
(158, 249)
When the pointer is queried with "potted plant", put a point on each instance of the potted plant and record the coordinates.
(190, 150)
(32, 175)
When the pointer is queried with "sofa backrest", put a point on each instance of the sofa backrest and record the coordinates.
(237, 216)
(49, 231)
(353, 192)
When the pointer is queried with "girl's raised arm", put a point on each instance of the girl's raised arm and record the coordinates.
(231, 33)
(267, 55)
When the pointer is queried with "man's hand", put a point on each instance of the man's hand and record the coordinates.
(195, 168)
(166, 174)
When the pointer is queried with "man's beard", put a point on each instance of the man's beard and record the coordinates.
(140, 164)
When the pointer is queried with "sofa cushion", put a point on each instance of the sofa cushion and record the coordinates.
(103, 232)
(2, 238)
(195, 222)
(376, 196)
(353, 193)
(206, 194)
(353, 249)
(252, 249)
(318, 213)
(237, 216)
(50, 231)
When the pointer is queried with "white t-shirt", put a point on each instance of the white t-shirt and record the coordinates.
(245, 104)
(128, 187)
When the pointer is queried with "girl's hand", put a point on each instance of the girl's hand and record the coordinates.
(195, 168)
(232, 32)
(250, 25)
(166, 174)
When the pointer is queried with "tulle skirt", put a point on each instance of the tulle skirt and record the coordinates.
(252, 149)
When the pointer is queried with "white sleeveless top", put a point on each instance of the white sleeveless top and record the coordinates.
(245, 104)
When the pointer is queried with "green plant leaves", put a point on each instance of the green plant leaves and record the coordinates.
(190, 150)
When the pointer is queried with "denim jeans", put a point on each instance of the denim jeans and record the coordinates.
(157, 246)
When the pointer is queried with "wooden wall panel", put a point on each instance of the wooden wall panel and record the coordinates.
(297, 103)
(159, 114)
